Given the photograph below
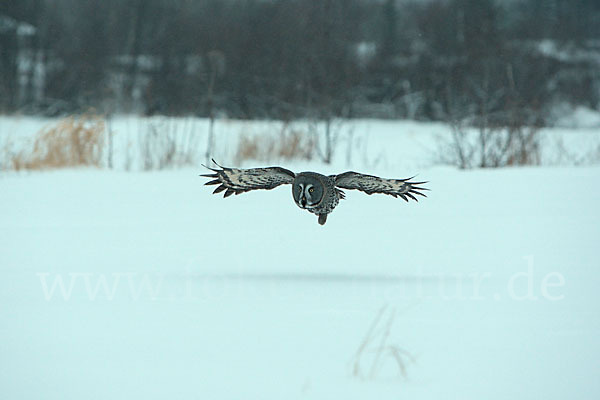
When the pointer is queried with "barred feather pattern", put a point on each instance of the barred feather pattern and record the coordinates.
(236, 181)
(370, 184)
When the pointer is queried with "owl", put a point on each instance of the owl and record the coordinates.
(313, 192)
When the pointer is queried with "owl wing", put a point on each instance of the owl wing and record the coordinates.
(373, 184)
(236, 181)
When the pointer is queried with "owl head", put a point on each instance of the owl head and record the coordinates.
(308, 190)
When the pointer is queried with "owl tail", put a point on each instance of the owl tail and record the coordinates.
(322, 219)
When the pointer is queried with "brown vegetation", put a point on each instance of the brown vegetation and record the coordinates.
(73, 141)
(288, 145)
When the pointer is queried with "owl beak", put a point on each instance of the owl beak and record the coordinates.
(303, 202)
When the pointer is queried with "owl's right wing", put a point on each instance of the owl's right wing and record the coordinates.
(236, 181)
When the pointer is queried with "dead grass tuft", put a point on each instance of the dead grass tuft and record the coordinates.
(376, 349)
(73, 141)
(288, 145)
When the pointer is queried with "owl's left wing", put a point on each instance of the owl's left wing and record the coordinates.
(236, 181)
(373, 184)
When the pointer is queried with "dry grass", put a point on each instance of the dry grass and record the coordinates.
(288, 145)
(73, 141)
(375, 349)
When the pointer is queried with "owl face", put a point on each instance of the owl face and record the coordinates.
(307, 191)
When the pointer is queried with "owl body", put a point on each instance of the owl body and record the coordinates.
(318, 194)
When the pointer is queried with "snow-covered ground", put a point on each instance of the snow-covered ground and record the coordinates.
(124, 285)
(144, 285)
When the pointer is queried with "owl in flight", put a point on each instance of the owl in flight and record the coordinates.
(316, 193)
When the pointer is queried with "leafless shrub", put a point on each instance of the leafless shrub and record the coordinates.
(459, 150)
(287, 145)
(6, 153)
(489, 145)
(73, 141)
(502, 131)
(326, 135)
(565, 155)
(165, 143)
(525, 147)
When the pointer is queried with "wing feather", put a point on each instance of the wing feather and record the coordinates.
(373, 184)
(237, 180)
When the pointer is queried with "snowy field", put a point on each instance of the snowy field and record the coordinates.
(125, 285)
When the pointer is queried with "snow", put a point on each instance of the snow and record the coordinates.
(489, 285)
(580, 117)
(8, 24)
(567, 53)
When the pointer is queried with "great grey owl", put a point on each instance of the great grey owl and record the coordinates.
(316, 193)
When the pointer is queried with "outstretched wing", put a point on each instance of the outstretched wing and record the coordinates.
(373, 184)
(237, 181)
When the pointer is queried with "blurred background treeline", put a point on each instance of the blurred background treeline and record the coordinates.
(286, 59)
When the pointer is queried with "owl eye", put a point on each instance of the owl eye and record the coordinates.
(311, 190)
